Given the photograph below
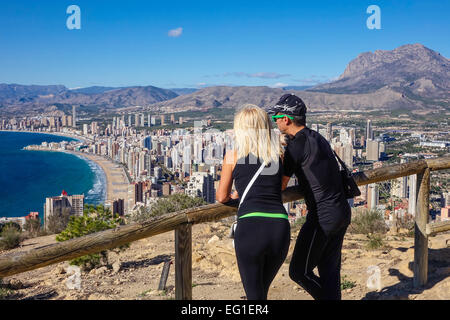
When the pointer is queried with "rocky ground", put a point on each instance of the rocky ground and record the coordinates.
(135, 273)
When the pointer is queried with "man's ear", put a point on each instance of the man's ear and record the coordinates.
(288, 121)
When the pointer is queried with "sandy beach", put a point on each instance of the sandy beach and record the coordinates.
(116, 179)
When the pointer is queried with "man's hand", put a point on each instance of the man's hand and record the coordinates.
(234, 195)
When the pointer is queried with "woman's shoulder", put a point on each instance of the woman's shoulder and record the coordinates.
(230, 157)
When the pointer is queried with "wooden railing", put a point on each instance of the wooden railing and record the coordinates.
(182, 222)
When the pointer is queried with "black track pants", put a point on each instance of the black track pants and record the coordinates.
(314, 249)
(261, 246)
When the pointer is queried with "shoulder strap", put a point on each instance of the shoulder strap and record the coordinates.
(251, 182)
(341, 162)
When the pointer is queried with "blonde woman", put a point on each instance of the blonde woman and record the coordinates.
(262, 233)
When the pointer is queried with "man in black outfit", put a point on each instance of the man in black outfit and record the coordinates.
(319, 242)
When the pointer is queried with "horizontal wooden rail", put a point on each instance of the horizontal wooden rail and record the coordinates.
(14, 263)
(436, 227)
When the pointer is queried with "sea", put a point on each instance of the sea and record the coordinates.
(28, 177)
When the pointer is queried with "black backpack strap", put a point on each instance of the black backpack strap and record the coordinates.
(342, 164)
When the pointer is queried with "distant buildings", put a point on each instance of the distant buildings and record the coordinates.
(373, 196)
(329, 132)
(201, 184)
(139, 192)
(412, 194)
(400, 186)
(369, 131)
(136, 120)
(372, 150)
(74, 116)
(59, 205)
(118, 207)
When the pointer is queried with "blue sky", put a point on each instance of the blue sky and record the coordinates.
(271, 43)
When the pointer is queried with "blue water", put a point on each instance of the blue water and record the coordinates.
(28, 177)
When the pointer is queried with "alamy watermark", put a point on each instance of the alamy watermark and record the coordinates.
(74, 20)
(373, 21)
(374, 279)
(74, 281)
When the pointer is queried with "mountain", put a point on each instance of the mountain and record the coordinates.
(183, 91)
(119, 97)
(408, 77)
(220, 97)
(19, 98)
(11, 93)
(93, 90)
(412, 70)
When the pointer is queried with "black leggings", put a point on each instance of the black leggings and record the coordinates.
(261, 246)
(314, 249)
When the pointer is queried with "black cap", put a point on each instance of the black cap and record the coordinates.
(289, 104)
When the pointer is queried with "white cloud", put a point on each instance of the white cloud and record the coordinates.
(175, 32)
(314, 80)
(263, 75)
(279, 85)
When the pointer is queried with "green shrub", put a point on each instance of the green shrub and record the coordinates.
(5, 291)
(375, 241)
(172, 203)
(368, 221)
(10, 224)
(407, 224)
(94, 219)
(57, 222)
(33, 227)
(347, 284)
(10, 238)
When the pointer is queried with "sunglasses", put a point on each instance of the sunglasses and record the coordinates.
(274, 118)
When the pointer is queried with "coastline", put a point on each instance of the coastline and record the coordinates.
(115, 180)
(116, 184)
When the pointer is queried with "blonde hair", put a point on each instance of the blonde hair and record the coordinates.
(254, 134)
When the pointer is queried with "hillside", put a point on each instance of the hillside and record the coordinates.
(215, 273)
(18, 99)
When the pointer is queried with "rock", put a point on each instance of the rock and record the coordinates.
(213, 239)
(206, 229)
(216, 225)
(113, 256)
(100, 270)
(48, 282)
(116, 266)
(60, 270)
(15, 284)
(196, 257)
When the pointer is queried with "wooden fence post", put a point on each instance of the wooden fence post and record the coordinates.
(183, 262)
(420, 234)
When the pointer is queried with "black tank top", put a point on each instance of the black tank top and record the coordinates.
(265, 193)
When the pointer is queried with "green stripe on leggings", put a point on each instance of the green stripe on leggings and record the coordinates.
(265, 214)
